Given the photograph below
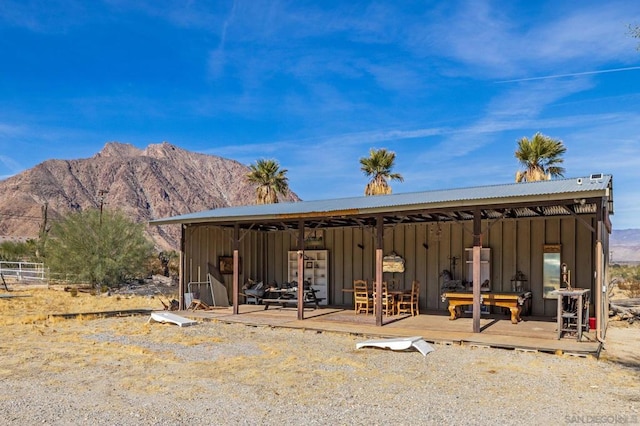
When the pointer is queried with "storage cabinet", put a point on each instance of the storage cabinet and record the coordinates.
(316, 271)
(485, 272)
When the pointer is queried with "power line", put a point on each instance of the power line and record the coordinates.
(20, 216)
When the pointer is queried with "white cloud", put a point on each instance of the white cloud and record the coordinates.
(484, 36)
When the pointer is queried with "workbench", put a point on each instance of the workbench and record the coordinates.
(573, 311)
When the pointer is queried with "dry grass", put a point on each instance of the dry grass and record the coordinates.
(32, 306)
(631, 288)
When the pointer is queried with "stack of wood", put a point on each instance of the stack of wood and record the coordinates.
(624, 310)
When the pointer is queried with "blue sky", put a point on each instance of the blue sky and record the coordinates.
(450, 86)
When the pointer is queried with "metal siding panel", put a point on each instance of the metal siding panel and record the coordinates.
(432, 296)
(585, 263)
(456, 253)
(535, 280)
(336, 265)
(399, 247)
(421, 262)
(329, 244)
(568, 241)
(552, 231)
(523, 249)
(410, 251)
(270, 245)
(358, 256)
(501, 255)
(444, 258)
(346, 256)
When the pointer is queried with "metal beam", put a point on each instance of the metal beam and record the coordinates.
(578, 217)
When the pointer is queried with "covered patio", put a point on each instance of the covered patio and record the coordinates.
(492, 233)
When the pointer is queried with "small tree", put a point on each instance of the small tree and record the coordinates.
(378, 166)
(18, 250)
(103, 248)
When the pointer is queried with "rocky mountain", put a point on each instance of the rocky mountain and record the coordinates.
(624, 245)
(159, 181)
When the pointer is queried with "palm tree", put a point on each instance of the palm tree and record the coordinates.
(540, 157)
(271, 181)
(378, 167)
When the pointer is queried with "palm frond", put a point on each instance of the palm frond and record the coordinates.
(270, 180)
(378, 166)
(540, 157)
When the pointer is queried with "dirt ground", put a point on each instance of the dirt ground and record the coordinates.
(623, 343)
(128, 371)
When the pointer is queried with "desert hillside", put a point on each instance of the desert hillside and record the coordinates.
(158, 181)
(625, 245)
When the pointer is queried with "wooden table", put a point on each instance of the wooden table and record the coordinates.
(286, 297)
(397, 293)
(514, 301)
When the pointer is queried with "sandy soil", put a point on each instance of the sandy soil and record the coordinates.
(128, 371)
(623, 343)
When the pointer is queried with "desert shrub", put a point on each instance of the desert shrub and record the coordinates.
(165, 263)
(627, 278)
(103, 248)
(14, 251)
(631, 288)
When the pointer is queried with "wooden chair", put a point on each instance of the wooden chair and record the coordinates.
(388, 301)
(362, 297)
(408, 303)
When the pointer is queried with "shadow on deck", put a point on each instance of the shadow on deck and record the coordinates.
(532, 334)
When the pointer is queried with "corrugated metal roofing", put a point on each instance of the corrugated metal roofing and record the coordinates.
(594, 185)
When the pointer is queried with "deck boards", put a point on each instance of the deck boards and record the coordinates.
(532, 334)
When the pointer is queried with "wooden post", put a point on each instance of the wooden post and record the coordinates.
(181, 269)
(599, 282)
(378, 284)
(477, 246)
(301, 270)
(236, 264)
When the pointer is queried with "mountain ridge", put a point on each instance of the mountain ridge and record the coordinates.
(160, 180)
(624, 245)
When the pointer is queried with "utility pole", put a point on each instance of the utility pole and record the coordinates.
(101, 195)
(43, 226)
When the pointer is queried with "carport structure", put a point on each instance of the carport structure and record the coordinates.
(431, 230)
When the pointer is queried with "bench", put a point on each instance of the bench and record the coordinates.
(514, 301)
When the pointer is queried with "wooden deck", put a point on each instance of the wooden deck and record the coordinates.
(497, 331)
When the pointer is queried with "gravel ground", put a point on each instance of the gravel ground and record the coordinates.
(125, 371)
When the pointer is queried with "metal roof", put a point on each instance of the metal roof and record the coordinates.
(526, 199)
